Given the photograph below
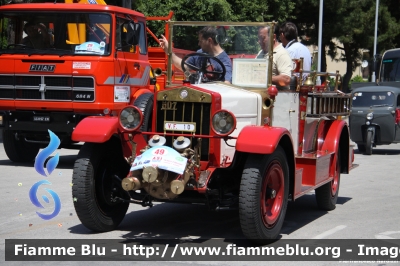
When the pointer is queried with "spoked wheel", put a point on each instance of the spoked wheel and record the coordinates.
(327, 194)
(18, 150)
(263, 196)
(369, 143)
(272, 192)
(95, 188)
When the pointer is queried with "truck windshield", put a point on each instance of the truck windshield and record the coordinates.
(390, 69)
(241, 42)
(58, 33)
(377, 99)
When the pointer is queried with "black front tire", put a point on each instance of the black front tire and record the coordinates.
(18, 150)
(94, 185)
(369, 143)
(327, 195)
(262, 214)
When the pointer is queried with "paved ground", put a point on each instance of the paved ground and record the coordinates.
(367, 208)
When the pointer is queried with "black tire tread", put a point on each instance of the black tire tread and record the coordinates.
(250, 220)
(323, 194)
(18, 151)
(368, 145)
(145, 103)
(83, 192)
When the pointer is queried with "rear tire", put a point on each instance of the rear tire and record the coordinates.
(94, 186)
(327, 194)
(263, 195)
(18, 151)
(369, 143)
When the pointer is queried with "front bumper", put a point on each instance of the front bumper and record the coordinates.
(35, 123)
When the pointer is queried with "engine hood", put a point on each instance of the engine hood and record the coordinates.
(245, 105)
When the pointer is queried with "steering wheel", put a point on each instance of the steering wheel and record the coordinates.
(206, 71)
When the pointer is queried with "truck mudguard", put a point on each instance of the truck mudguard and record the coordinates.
(331, 141)
(97, 129)
(260, 139)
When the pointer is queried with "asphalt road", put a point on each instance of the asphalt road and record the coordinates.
(367, 208)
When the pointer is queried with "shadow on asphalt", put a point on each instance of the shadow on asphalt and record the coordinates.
(185, 221)
(379, 151)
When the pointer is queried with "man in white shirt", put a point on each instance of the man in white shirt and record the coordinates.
(289, 37)
(282, 63)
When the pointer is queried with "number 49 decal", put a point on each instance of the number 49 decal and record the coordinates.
(160, 152)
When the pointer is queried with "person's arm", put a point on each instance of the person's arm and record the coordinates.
(228, 66)
(281, 80)
(175, 59)
(284, 67)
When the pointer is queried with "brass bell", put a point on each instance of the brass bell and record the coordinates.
(309, 81)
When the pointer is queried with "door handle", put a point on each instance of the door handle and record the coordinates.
(136, 66)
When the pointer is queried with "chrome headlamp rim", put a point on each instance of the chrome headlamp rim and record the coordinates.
(370, 116)
(231, 118)
(136, 111)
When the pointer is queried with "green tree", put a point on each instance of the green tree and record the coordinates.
(184, 10)
(216, 10)
(351, 23)
(261, 10)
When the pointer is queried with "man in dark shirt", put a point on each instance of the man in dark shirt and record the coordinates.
(208, 45)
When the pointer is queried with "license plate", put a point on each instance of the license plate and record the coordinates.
(180, 126)
(41, 118)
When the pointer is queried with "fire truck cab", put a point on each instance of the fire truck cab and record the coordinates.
(247, 145)
(61, 63)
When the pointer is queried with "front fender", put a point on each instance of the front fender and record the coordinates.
(331, 141)
(338, 132)
(260, 139)
(96, 129)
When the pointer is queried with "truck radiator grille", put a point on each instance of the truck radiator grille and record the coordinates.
(200, 113)
(53, 88)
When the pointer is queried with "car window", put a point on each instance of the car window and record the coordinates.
(365, 99)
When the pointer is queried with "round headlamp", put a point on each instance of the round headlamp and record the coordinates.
(370, 116)
(223, 122)
(131, 118)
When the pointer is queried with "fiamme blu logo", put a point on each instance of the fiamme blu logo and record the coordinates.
(40, 166)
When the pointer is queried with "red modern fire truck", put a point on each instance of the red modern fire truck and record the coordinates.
(60, 63)
(247, 145)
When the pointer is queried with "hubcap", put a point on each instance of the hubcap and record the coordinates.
(335, 180)
(272, 193)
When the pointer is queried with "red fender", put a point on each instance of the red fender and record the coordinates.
(260, 139)
(140, 92)
(97, 129)
(332, 138)
(331, 141)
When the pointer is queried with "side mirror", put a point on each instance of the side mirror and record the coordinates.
(133, 33)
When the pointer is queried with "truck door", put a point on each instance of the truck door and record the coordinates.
(132, 67)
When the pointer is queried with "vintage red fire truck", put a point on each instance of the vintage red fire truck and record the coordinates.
(246, 145)
(60, 63)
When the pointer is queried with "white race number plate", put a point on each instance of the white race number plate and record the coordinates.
(180, 126)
